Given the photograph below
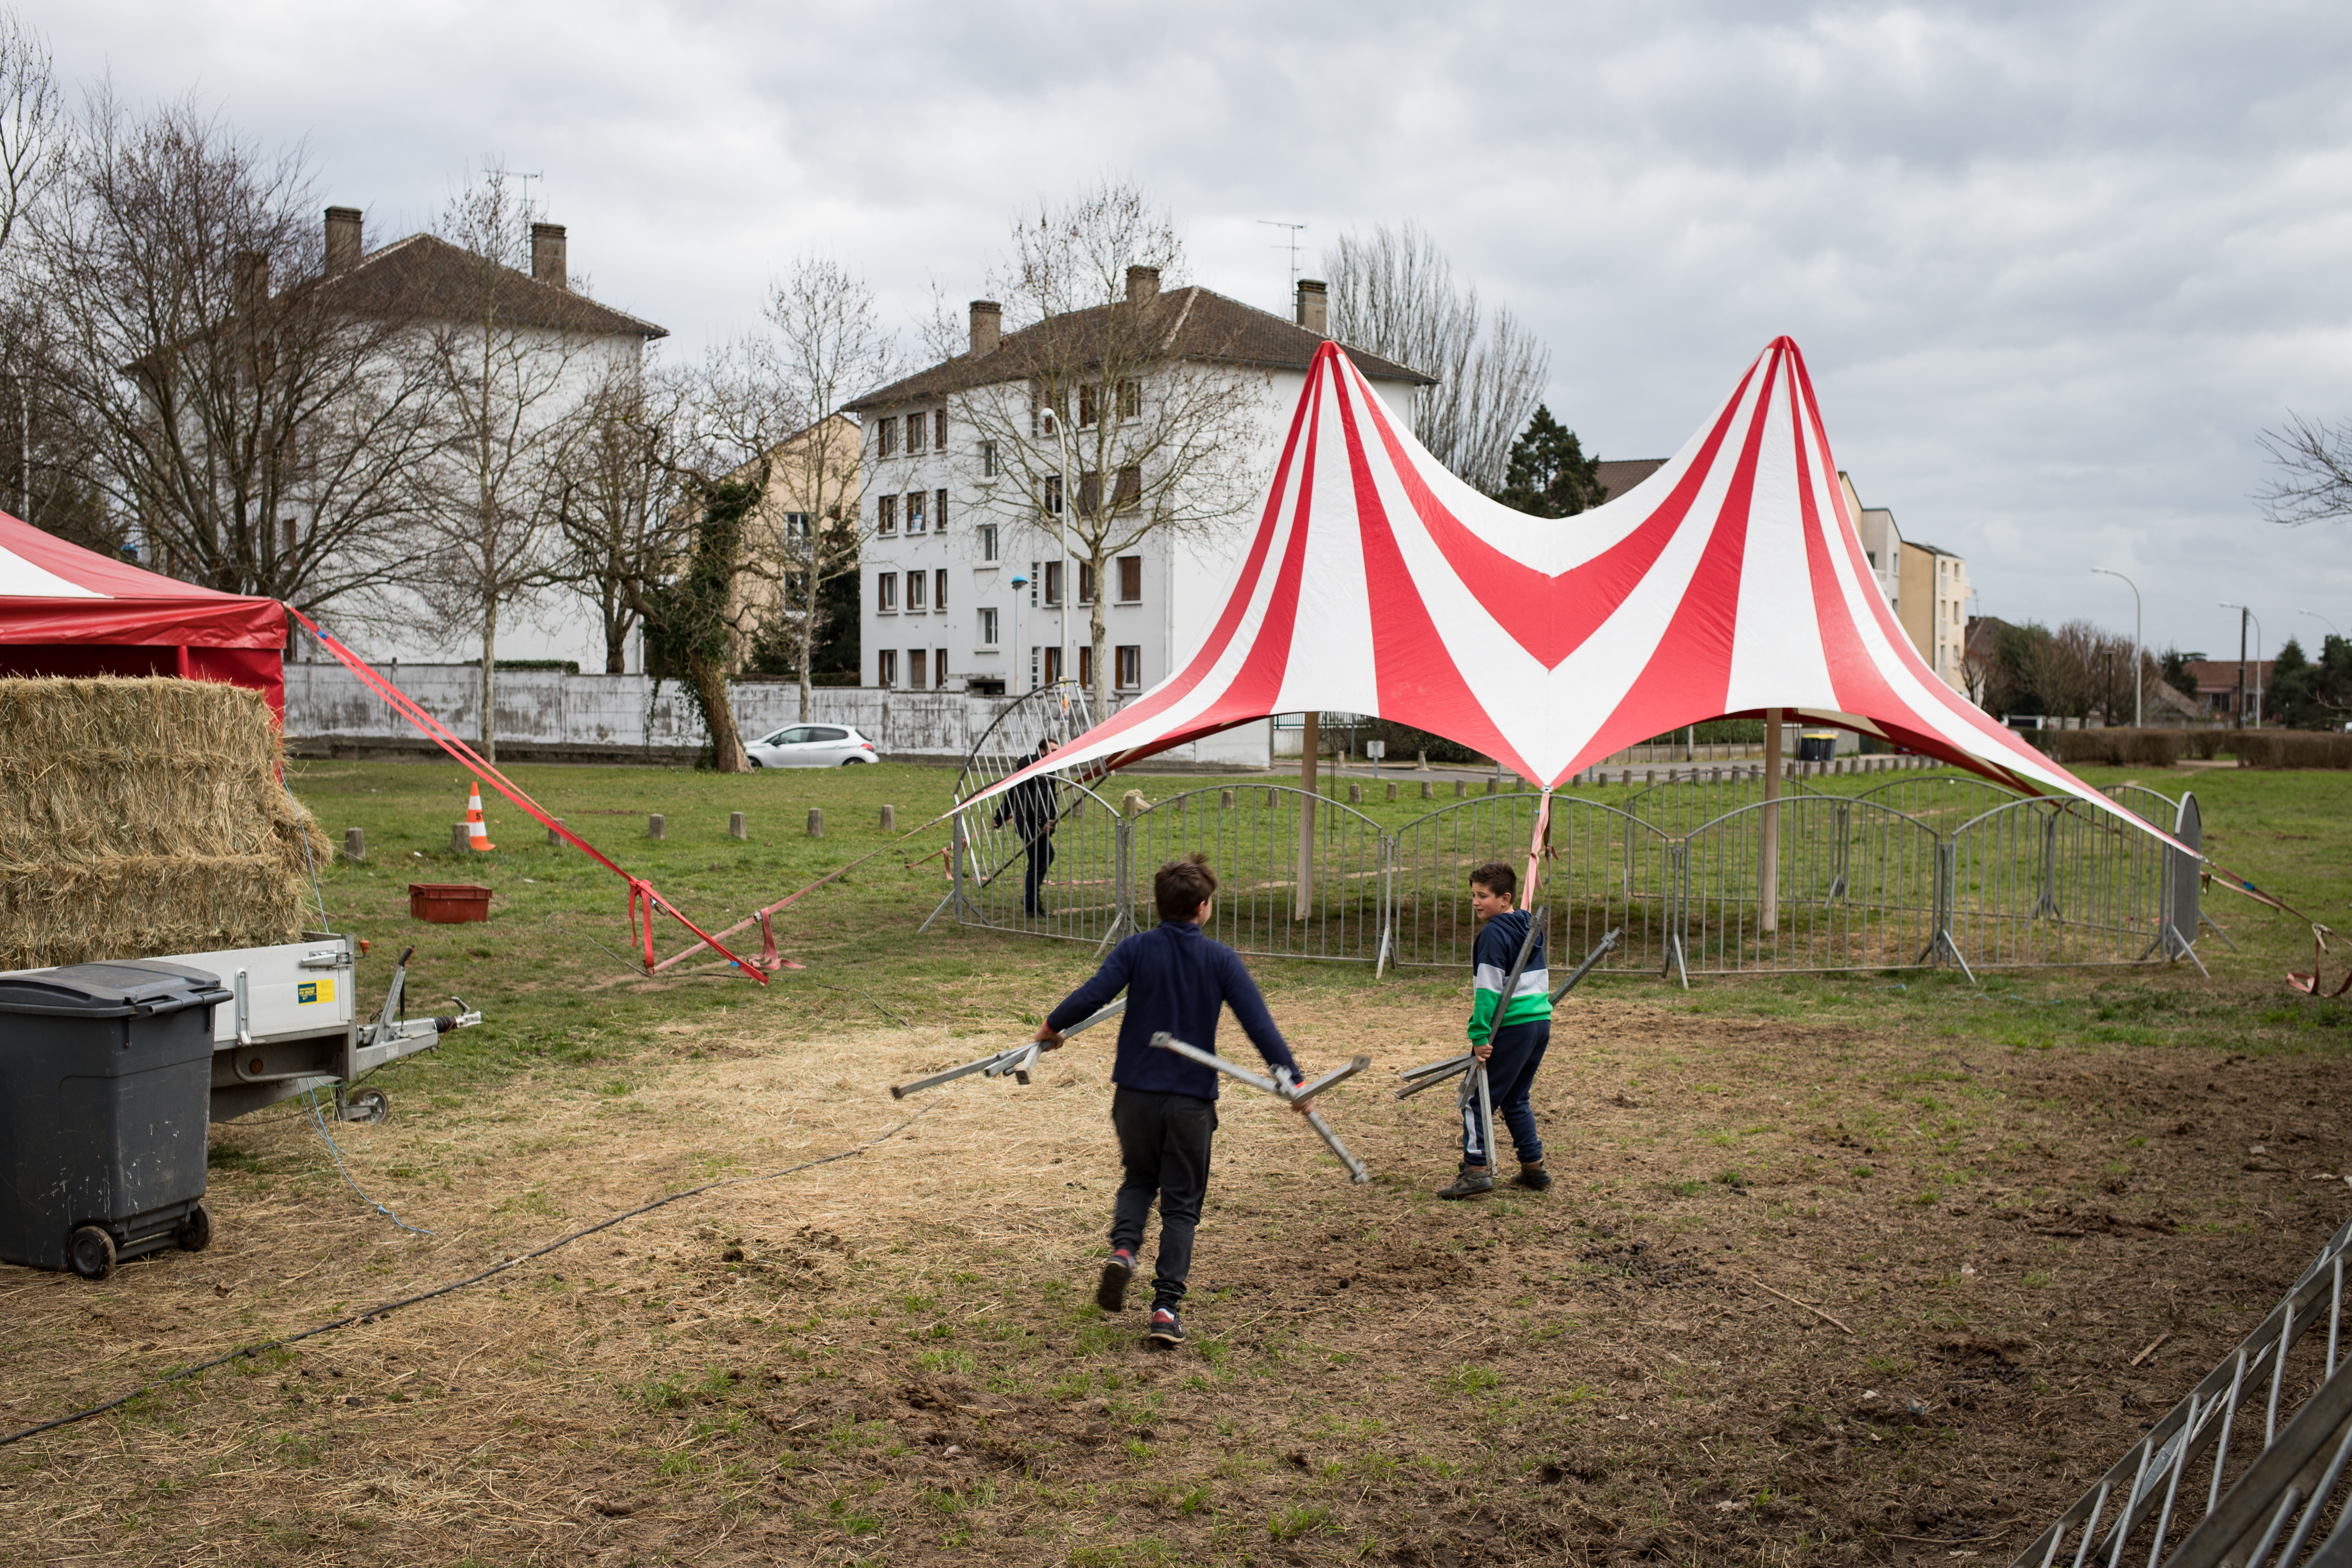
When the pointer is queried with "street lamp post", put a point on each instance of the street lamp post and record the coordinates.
(2323, 620)
(1019, 583)
(2245, 616)
(2137, 659)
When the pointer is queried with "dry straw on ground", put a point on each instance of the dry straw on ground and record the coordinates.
(141, 817)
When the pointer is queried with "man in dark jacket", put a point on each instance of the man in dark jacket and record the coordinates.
(1164, 1105)
(1033, 810)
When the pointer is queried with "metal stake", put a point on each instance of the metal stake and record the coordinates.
(1016, 1060)
(1282, 1088)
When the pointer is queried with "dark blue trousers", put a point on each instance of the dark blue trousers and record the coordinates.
(1510, 1076)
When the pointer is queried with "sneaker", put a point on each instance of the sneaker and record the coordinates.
(1473, 1181)
(1110, 1291)
(1535, 1178)
(1165, 1328)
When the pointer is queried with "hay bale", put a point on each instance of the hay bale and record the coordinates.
(145, 818)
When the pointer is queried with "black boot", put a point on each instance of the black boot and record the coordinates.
(1470, 1181)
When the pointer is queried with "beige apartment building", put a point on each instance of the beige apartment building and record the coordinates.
(813, 489)
(1925, 587)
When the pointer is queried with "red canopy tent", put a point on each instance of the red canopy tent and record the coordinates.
(65, 610)
(1729, 582)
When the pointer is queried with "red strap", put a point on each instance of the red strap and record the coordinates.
(440, 735)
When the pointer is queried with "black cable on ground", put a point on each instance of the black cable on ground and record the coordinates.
(387, 1309)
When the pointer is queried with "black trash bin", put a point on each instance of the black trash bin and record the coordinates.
(1816, 745)
(105, 1079)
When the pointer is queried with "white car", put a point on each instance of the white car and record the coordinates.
(810, 746)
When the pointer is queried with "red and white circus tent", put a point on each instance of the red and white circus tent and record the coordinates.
(1730, 581)
(65, 610)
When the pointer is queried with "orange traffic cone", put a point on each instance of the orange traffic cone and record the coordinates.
(477, 835)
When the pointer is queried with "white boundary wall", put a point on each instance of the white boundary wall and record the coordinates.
(549, 708)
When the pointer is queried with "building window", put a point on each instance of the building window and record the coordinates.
(915, 424)
(1130, 400)
(1130, 579)
(1042, 417)
(1089, 494)
(914, 511)
(886, 436)
(1087, 412)
(1086, 666)
(885, 593)
(1033, 584)
(1052, 583)
(886, 515)
(939, 669)
(1032, 666)
(916, 664)
(885, 668)
(1054, 495)
(988, 460)
(988, 542)
(796, 527)
(916, 584)
(1085, 583)
(939, 511)
(939, 589)
(1128, 495)
(1130, 667)
(1053, 664)
(987, 626)
(940, 430)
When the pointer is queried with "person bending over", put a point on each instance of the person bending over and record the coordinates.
(1507, 1034)
(1164, 1106)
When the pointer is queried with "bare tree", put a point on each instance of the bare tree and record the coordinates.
(32, 121)
(1392, 292)
(2318, 460)
(1115, 413)
(510, 373)
(783, 407)
(253, 419)
(624, 492)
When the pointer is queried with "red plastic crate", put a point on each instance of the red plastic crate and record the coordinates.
(448, 903)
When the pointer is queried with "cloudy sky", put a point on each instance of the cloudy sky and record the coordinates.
(2055, 268)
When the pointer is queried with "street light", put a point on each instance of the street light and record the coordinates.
(2323, 620)
(1019, 583)
(2245, 614)
(2103, 571)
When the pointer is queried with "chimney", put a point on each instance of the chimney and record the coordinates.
(1314, 307)
(547, 261)
(343, 246)
(1142, 285)
(987, 326)
(251, 281)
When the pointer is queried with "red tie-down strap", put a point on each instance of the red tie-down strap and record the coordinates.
(2309, 983)
(642, 894)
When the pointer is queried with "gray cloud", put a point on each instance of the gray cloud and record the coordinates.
(2053, 268)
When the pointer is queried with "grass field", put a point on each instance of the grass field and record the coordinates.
(2004, 1191)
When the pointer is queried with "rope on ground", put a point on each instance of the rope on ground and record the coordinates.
(372, 1314)
(311, 1098)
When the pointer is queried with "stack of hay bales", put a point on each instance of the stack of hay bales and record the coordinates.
(145, 818)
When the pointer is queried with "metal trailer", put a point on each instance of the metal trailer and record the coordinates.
(292, 1024)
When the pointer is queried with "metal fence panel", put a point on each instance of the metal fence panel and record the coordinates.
(1856, 889)
(1298, 874)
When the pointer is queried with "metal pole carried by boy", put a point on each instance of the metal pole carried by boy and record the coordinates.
(1507, 1034)
(1164, 1104)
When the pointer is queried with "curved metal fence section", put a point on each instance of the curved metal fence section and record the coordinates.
(1854, 887)
(1706, 877)
(1298, 874)
(2250, 1467)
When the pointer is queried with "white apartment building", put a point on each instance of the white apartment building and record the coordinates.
(964, 588)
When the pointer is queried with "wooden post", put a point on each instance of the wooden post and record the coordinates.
(1310, 742)
(460, 842)
(1356, 793)
(354, 844)
(735, 828)
(816, 822)
(889, 819)
(1768, 868)
(552, 837)
(656, 827)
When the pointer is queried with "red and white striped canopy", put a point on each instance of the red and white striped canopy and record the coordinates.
(1730, 581)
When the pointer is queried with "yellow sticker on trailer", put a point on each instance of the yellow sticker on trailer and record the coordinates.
(314, 991)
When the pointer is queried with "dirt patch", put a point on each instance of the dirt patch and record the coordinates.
(895, 1358)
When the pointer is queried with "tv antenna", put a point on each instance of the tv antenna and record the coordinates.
(525, 180)
(1290, 245)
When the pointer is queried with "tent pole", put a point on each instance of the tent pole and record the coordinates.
(1768, 868)
(1302, 885)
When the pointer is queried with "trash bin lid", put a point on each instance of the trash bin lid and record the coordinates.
(104, 990)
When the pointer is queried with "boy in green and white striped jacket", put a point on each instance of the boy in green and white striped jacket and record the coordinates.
(1508, 1035)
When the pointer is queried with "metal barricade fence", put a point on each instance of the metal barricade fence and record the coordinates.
(1917, 872)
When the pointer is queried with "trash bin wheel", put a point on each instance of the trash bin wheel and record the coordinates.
(91, 1253)
(367, 1105)
(195, 1232)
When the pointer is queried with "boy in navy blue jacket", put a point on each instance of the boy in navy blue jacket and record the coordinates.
(1165, 1106)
